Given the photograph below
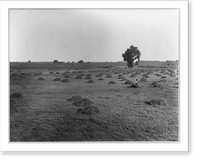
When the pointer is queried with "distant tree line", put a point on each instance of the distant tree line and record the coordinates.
(56, 61)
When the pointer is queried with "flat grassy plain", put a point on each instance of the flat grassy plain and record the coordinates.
(45, 113)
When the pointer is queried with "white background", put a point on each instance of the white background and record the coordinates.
(182, 145)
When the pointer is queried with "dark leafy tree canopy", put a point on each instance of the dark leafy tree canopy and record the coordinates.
(130, 55)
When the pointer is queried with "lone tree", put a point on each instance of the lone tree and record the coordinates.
(130, 55)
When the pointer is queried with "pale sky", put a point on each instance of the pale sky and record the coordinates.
(93, 34)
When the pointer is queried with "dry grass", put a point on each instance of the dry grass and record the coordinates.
(49, 112)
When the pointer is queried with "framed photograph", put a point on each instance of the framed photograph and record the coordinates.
(94, 76)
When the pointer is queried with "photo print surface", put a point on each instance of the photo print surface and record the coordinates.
(94, 75)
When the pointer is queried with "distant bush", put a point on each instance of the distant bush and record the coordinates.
(55, 61)
(81, 61)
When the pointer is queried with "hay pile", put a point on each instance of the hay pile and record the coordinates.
(90, 81)
(133, 75)
(66, 72)
(108, 75)
(57, 72)
(16, 95)
(163, 71)
(143, 79)
(173, 75)
(158, 102)
(158, 75)
(67, 76)
(134, 86)
(13, 75)
(12, 106)
(80, 71)
(120, 76)
(88, 77)
(175, 83)
(65, 80)
(156, 84)
(123, 79)
(116, 72)
(57, 79)
(112, 82)
(75, 98)
(82, 74)
(37, 74)
(100, 79)
(125, 73)
(83, 102)
(51, 72)
(162, 80)
(88, 110)
(128, 82)
(87, 106)
(41, 78)
(146, 76)
(78, 77)
(99, 75)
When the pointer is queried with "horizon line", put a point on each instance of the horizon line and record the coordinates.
(96, 61)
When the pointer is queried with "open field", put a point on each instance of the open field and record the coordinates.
(99, 110)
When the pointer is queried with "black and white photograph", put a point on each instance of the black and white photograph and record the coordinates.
(94, 75)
